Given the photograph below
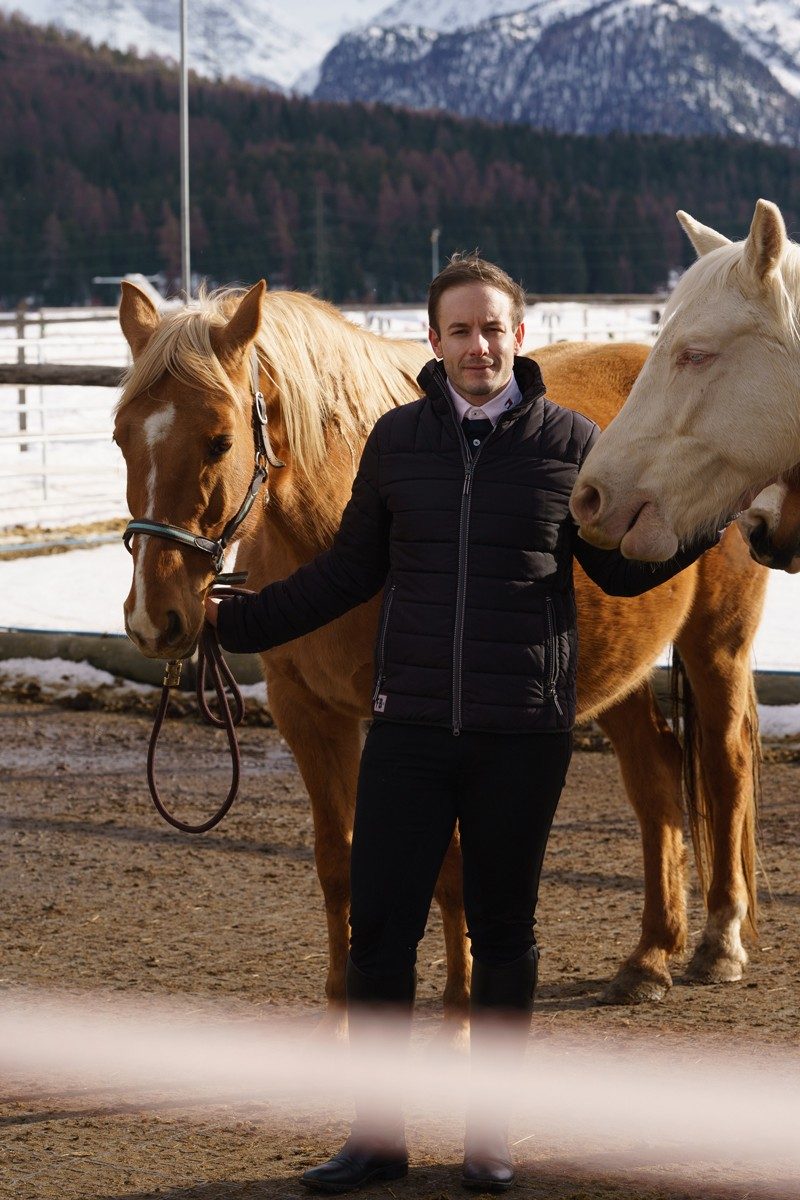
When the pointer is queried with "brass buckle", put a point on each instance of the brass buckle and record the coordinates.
(172, 674)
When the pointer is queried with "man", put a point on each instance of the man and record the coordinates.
(459, 512)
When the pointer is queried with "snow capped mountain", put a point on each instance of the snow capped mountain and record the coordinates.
(676, 66)
(264, 41)
(679, 67)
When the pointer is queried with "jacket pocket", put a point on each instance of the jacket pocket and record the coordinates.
(551, 656)
(378, 701)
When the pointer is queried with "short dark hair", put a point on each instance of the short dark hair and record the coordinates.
(471, 268)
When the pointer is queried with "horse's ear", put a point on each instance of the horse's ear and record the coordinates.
(232, 340)
(766, 240)
(703, 237)
(138, 317)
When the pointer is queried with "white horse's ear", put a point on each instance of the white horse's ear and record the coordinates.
(233, 339)
(766, 240)
(703, 238)
(138, 317)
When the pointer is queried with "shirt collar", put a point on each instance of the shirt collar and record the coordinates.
(493, 409)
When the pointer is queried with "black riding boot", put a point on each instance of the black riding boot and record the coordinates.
(376, 1148)
(501, 1002)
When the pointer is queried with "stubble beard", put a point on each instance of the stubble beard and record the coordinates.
(476, 387)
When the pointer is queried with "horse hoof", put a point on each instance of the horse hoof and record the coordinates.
(635, 985)
(332, 1026)
(453, 1034)
(708, 965)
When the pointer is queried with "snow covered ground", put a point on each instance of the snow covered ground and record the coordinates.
(59, 679)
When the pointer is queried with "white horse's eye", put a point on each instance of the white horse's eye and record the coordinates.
(695, 358)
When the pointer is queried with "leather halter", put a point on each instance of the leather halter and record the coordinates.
(210, 658)
(264, 457)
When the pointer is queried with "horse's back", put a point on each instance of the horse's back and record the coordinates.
(591, 378)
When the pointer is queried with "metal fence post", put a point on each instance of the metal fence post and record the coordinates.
(22, 393)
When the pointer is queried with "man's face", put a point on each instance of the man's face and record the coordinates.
(477, 340)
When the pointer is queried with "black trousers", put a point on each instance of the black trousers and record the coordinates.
(416, 783)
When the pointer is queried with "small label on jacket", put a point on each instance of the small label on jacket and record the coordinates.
(380, 703)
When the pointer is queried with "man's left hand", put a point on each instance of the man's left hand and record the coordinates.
(211, 608)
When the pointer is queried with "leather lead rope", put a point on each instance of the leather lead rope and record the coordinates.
(230, 713)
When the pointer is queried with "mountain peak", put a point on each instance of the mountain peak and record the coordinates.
(681, 67)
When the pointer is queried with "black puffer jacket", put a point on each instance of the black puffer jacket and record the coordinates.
(478, 624)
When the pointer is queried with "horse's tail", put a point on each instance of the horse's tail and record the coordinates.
(688, 727)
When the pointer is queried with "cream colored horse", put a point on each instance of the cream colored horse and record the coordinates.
(184, 426)
(714, 416)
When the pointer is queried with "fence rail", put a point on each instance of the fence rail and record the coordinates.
(60, 375)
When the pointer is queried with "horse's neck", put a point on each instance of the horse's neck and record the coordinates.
(296, 519)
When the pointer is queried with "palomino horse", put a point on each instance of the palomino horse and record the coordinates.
(184, 427)
(714, 416)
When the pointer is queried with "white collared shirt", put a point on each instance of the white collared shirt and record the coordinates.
(493, 409)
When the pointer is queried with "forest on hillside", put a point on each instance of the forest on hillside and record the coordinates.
(341, 199)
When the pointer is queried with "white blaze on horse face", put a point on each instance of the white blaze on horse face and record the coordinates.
(156, 429)
(711, 416)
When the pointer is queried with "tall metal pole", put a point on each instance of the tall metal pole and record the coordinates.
(434, 253)
(186, 262)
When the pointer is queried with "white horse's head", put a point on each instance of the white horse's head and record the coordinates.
(714, 415)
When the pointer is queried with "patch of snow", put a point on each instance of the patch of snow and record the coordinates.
(779, 720)
(59, 679)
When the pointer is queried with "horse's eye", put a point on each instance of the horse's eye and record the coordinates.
(219, 446)
(695, 358)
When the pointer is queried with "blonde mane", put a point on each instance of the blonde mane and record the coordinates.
(712, 274)
(326, 372)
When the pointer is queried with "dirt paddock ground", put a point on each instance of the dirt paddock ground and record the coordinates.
(99, 894)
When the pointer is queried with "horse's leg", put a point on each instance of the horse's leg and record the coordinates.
(715, 647)
(649, 758)
(327, 747)
(450, 897)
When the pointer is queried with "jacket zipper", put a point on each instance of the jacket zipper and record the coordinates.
(382, 645)
(470, 463)
(551, 666)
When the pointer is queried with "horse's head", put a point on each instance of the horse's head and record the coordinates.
(713, 416)
(771, 525)
(184, 425)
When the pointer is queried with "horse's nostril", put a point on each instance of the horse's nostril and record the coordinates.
(758, 536)
(174, 628)
(587, 502)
